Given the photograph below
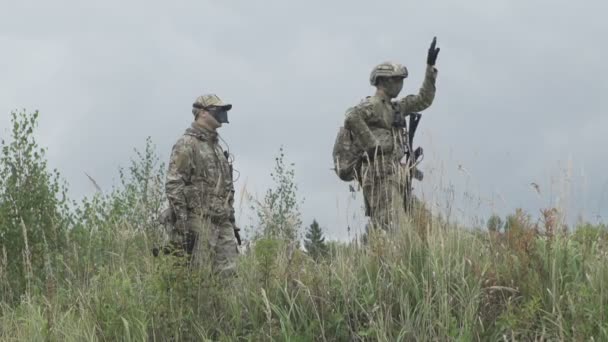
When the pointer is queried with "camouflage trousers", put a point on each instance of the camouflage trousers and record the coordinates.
(213, 245)
(384, 186)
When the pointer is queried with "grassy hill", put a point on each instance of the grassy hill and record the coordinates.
(85, 272)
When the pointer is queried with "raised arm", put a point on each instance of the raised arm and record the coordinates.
(424, 98)
(426, 95)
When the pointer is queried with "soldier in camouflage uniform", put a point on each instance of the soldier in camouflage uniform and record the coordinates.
(200, 190)
(383, 175)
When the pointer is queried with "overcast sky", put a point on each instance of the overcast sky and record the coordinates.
(520, 93)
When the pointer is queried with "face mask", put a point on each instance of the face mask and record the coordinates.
(394, 86)
(220, 115)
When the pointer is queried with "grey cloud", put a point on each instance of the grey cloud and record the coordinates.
(520, 89)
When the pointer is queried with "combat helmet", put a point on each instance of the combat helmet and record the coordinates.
(387, 69)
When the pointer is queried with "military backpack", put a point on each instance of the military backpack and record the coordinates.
(347, 155)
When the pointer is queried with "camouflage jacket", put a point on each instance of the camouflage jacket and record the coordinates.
(371, 121)
(199, 178)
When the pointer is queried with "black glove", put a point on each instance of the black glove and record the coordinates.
(190, 241)
(433, 52)
(237, 235)
(181, 225)
(418, 152)
(185, 237)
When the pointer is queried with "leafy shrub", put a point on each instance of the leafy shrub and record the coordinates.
(34, 212)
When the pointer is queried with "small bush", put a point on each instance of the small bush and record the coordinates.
(34, 212)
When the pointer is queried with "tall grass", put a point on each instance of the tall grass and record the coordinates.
(451, 285)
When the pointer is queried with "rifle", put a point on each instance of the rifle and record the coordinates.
(412, 155)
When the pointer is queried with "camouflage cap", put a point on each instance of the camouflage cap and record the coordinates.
(387, 69)
(210, 100)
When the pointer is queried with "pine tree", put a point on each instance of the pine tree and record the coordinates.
(315, 241)
(495, 223)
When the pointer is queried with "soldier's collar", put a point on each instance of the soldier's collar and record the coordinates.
(201, 133)
(384, 98)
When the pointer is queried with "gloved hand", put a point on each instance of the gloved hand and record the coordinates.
(181, 223)
(431, 58)
(418, 152)
(183, 238)
(237, 235)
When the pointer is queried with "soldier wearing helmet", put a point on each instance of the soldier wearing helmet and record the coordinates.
(382, 174)
(200, 190)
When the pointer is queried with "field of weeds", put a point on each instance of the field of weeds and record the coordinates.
(85, 272)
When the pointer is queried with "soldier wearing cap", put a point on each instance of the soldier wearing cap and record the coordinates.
(200, 190)
(382, 175)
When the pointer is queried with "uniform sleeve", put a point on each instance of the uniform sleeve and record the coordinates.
(424, 98)
(355, 121)
(178, 176)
